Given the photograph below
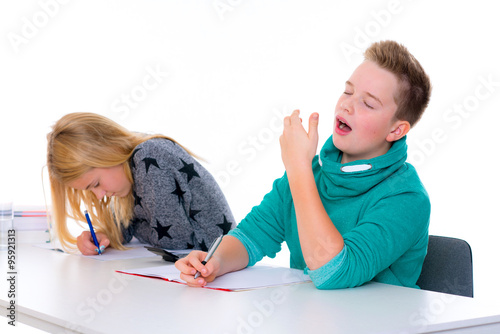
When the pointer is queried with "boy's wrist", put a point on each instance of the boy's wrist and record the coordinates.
(217, 264)
(299, 170)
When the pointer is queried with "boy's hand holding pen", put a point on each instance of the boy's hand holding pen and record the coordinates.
(211, 252)
(188, 264)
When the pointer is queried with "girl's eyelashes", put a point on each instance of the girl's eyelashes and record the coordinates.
(369, 106)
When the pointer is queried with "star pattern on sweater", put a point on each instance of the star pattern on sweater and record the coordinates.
(225, 226)
(190, 245)
(178, 192)
(137, 199)
(193, 213)
(203, 246)
(162, 230)
(150, 161)
(174, 170)
(189, 170)
(132, 163)
(194, 243)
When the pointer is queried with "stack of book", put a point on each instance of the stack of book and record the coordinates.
(30, 220)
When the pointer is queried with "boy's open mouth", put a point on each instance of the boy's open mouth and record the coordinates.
(343, 126)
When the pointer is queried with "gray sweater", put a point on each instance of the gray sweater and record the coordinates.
(178, 204)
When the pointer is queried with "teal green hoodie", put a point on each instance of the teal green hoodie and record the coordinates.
(379, 206)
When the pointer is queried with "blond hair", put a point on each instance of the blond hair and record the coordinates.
(78, 143)
(414, 84)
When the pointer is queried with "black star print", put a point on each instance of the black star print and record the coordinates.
(193, 240)
(203, 246)
(137, 199)
(132, 163)
(178, 191)
(149, 162)
(189, 170)
(162, 230)
(225, 226)
(193, 213)
(194, 243)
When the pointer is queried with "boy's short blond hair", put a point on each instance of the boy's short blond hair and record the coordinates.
(415, 86)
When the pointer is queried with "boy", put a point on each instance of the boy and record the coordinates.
(357, 211)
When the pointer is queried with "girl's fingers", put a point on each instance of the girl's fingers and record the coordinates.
(86, 245)
(103, 240)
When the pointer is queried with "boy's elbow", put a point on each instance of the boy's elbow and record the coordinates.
(333, 284)
(324, 286)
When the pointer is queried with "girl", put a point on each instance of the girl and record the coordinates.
(147, 186)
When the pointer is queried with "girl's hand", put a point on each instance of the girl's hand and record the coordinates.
(190, 264)
(86, 245)
(298, 147)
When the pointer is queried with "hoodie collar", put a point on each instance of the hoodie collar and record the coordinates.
(356, 177)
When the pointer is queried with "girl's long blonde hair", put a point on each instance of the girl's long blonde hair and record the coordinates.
(79, 142)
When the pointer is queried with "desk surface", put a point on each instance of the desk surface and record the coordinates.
(63, 293)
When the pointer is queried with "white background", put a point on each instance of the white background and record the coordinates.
(228, 70)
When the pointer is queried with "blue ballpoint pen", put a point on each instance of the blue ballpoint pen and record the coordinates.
(211, 252)
(92, 232)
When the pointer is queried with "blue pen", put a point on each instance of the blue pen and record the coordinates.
(92, 232)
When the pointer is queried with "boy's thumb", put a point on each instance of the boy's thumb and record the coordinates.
(313, 124)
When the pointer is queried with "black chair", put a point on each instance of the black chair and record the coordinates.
(447, 267)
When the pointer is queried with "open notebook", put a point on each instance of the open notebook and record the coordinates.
(249, 278)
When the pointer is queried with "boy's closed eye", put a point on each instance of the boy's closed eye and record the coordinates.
(369, 106)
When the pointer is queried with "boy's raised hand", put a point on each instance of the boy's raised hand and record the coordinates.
(298, 147)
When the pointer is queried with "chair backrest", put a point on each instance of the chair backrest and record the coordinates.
(447, 267)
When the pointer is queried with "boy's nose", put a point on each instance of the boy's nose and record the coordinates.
(346, 105)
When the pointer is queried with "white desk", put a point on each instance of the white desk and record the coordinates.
(62, 293)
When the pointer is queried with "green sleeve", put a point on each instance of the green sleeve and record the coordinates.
(262, 230)
(389, 243)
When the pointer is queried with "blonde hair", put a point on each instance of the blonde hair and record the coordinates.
(415, 85)
(78, 143)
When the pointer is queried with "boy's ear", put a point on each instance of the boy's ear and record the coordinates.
(399, 130)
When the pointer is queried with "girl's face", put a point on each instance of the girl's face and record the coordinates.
(110, 181)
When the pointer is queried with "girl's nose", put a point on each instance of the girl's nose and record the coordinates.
(99, 193)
